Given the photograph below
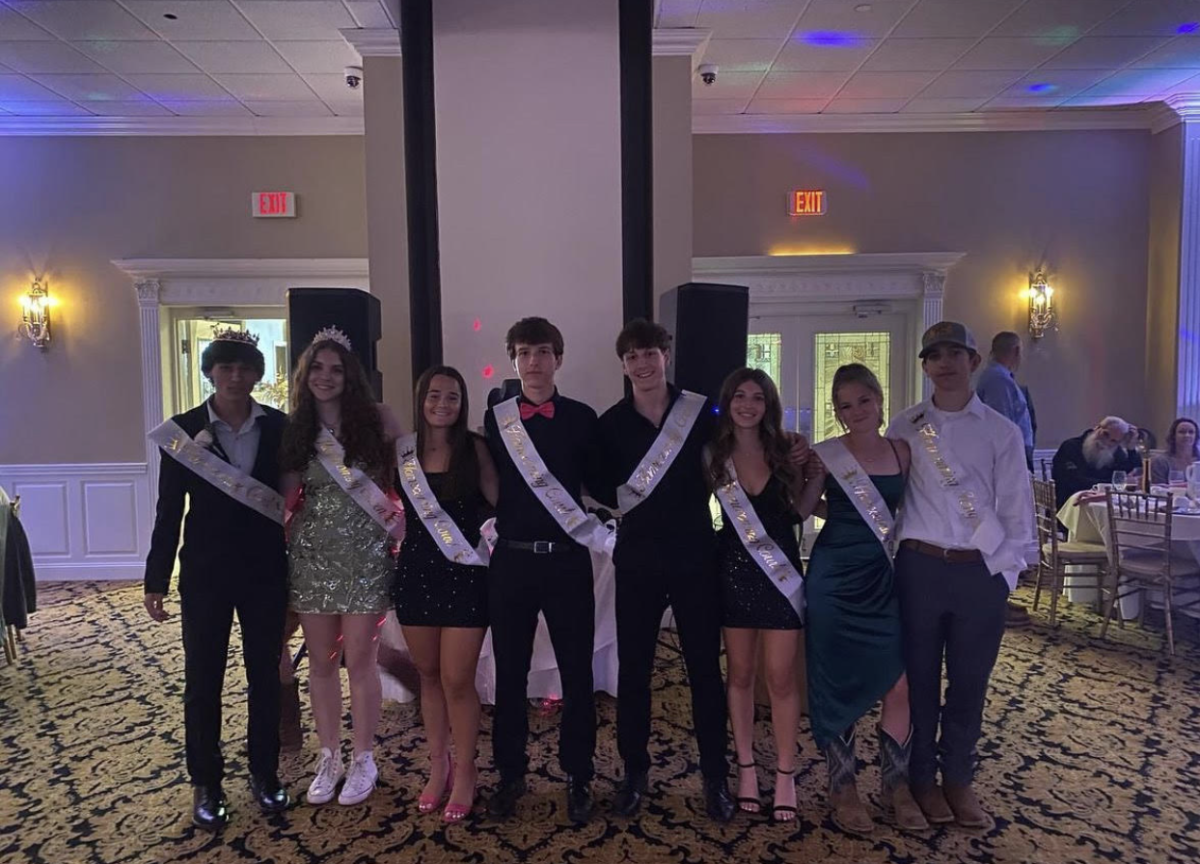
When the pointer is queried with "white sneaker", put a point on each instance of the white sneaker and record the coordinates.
(329, 771)
(360, 780)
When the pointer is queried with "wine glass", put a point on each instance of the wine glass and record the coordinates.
(1118, 480)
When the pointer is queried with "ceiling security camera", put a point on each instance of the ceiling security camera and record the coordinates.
(708, 73)
(354, 76)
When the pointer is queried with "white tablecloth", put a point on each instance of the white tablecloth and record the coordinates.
(1088, 523)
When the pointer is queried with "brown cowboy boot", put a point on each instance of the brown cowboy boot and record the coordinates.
(291, 738)
(968, 812)
(895, 796)
(848, 812)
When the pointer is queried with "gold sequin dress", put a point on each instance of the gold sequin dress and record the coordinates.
(339, 558)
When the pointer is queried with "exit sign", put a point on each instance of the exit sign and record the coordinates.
(807, 202)
(273, 204)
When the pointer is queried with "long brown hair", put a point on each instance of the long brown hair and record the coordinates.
(770, 430)
(462, 475)
(362, 428)
(1172, 448)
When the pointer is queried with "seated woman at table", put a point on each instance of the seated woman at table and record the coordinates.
(1182, 451)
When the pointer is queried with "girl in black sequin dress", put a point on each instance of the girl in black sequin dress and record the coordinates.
(442, 605)
(750, 433)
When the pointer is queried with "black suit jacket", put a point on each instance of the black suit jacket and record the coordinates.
(223, 540)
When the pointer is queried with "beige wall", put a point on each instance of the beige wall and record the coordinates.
(1076, 202)
(1162, 311)
(71, 205)
(672, 124)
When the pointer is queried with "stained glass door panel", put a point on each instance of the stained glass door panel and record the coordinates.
(831, 350)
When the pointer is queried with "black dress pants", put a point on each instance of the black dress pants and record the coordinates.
(208, 604)
(646, 585)
(559, 584)
(955, 612)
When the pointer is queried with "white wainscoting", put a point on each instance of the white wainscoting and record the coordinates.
(84, 521)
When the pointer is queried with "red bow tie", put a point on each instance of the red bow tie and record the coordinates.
(546, 409)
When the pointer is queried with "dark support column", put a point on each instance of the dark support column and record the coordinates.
(637, 193)
(420, 168)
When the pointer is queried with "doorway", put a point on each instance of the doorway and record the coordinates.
(192, 329)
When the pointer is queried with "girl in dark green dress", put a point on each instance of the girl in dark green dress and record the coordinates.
(853, 646)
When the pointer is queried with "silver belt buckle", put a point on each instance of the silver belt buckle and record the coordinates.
(542, 547)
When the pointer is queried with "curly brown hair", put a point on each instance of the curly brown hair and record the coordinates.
(770, 431)
(362, 428)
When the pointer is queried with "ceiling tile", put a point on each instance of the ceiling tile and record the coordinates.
(1140, 82)
(1190, 86)
(719, 106)
(1085, 101)
(14, 26)
(319, 56)
(36, 57)
(368, 13)
(346, 109)
(1182, 52)
(971, 18)
(734, 85)
(864, 106)
(265, 87)
(228, 107)
(742, 55)
(91, 88)
(244, 57)
(194, 20)
(677, 13)
(195, 87)
(18, 87)
(281, 108)
(297, 19)
(787, 106)
(83, 19)
(749, 19)
(1104, 52)
(1008, 52)
(886, 85)
(1048, 83)
(957, 84)
(332, 88)
(802, 85)
(916, 55)
(124, 57)
(1016, 103)
(1057, 21)
(144, 108)
(803, 56)
(922, 105)
(1150, 18)
(45, 108)
(843, 17)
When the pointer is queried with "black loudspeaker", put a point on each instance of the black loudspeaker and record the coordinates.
(710, 324)
(354, 312)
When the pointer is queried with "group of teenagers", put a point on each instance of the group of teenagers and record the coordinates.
(336, 514)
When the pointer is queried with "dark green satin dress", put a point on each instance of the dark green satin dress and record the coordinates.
(852, 618)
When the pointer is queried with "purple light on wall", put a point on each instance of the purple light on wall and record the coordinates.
(830, 39)
(1188, 27)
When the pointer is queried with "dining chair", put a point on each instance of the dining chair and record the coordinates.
(1056, 554)
(1139, 537)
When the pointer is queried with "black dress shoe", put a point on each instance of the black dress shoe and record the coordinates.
(629, 797)
(268, 793)
(503, 802)
(208, 808)
(718, 803)
(579, 800)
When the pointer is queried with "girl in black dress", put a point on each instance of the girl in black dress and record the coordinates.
(442, 605)
(750, 433)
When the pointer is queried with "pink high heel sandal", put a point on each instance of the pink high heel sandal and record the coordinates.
(429, 803)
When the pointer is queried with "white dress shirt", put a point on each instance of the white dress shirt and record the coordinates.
(240, 445)
(987, 447)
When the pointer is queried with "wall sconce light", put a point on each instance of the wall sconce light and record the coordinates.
(1041, 304)
(35, 315)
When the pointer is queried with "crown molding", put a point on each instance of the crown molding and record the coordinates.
(373, 41)
(992, 121)
(175, 126)
(1178, 108)
(681, 42)
(224, 268)
(774, 266)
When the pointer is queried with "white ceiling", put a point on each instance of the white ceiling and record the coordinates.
(284, 58)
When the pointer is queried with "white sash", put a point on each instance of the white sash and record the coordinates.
(441, 527)
(388, 514)
(661, 455)
(857, 485)
(973, 506)
(765, 551)
(582, 527)
(243, 488)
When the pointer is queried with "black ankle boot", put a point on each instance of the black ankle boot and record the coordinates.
(208, 808)
(629, 797)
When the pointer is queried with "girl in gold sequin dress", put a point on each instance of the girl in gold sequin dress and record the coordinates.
(340, 559)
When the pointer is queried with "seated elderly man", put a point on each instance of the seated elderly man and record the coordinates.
(1082, 462)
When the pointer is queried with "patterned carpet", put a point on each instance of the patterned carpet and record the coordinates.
(1091, 753)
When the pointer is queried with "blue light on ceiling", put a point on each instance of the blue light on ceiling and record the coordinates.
(831, 39)
(1041, 87)
(1188, 27)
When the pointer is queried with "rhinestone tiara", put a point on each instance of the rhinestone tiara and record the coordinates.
(332, 334)
(228, 334)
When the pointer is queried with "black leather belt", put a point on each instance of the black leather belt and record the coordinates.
(540, 547)
(950, 556)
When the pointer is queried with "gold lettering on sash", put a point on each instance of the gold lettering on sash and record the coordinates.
(930, 440)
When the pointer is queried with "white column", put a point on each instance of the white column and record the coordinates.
(933, 287)
(1187, 399)
(148, 292)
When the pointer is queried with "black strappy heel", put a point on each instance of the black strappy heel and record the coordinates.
(777, 809)
(750, 805)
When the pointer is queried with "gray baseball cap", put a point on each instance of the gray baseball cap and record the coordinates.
(947, 333)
